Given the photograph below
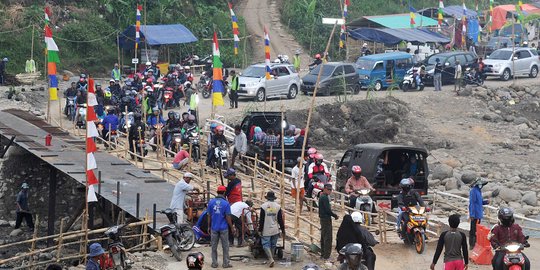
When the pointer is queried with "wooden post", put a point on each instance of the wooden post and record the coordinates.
(60, 241)
(127, 133)
(255, 165)
(34, 236)
(109, 137)
(282, 179)
(142, 150)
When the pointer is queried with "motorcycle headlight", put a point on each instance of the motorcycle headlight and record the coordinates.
(177, 140)
(414, 211)
(364, 191)
(512, 248)
(431, 71)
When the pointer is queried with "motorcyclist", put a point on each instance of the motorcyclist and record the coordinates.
(356, 182)
(407, 197)
(505, 232)
(148, 67)
(157, 72)
(316, 62)
(353, 255)
(217, 139)
(154, 120)
(114, 89)
(173, 123)
(110, 123)
(190, 123)
(309, 159)
(365, 50)
(479, 67)
(195, 261)
(318, 167)
(150, 75)
(136, 133)
(100, 98)
(82, 83)
(71, 92)
(187, 72)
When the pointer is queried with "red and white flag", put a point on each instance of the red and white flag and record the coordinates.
(91, 133)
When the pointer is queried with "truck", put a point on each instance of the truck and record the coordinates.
(384, 165)
(270, 120)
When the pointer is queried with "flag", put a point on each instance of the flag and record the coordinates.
(138, 27)
(346, 4)
(267, 53)
(413, 15)
(234, 29)
(440, 12)
(91, 132)
(52, 57)
(217, 84)
(490, 15)
(464, 25)
(519, 10)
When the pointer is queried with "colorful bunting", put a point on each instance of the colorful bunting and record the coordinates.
(91, 132)
(440, 13)
(235, 29)
(267, 53)
(346, 4)
(138, 27)
(413, 16)
(343, 32)
(464, 26)
(519, 10)
(490, 15)
(52, 57)
(217, 84)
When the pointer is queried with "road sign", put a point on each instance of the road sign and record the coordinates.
(134, 60)
(332, 21)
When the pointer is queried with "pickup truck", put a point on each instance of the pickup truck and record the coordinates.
(384, 165)
(267, 120)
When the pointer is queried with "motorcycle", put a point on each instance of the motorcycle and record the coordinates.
(221, 153)
(176, 135)
(116, 249)
(472, 78)
(317, 185)
(179, 238)
(410, 80)
(70, 108)
(154, 136)
(124, 126)
(81, 116)
(364, 203)
(168, 98)
(191, 136)
(141, 150)
(414, 232)
(513, 257)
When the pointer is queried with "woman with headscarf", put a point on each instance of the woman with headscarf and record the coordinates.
(352, 231)
(259, 136)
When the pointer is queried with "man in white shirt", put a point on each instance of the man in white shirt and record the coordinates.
(297, 182)
(179, 195)
(237, 209)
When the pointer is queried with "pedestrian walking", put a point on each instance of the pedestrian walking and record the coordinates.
(234, 90)
(240, 144)
(241, 210)
(22, 208)
(476, 208)
(456, 256)
(179, 195)
(437, 75)
(270, 223)
(296, 61)
(219, 222)
(325, 217)
(457, 77)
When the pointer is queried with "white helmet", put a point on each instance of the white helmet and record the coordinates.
(277, 61)
(148, 63)
(357, 217)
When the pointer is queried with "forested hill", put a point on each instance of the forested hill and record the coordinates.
(85, 30)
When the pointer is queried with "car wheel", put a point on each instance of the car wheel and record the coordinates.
(506, 75)
(356, 90)
(534, 72)
(260, 96)
(378, 86)
(293, 92)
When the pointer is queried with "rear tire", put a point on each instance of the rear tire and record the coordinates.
(378, 86)
(506, 75)
(534, 72)
(188, 238)
(405, 87)
(173, 246)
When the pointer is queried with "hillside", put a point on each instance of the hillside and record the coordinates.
(85, 31)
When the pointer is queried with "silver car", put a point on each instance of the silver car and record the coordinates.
(501, 63)
(284, 82)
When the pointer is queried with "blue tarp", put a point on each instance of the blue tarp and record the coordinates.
(157, 35)
(473, 30)
(457, 11)
(395, 36)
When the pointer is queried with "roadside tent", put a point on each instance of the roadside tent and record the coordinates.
(395, 36)
(394, 21)
(449, 11)
(155, 35)
(500, 13)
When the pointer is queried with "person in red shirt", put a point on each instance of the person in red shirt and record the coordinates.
(234, 187)
(504, 233)
(356, 182)
(181, 158)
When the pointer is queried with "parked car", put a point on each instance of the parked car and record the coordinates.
(448, 60)
(501, 63)
(496, 43)
(284, 81)
(335, 78)
(384, 165)
(380, 70)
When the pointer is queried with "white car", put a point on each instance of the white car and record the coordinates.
(284, 81)
(501, 63)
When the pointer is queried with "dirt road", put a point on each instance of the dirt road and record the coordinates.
(265, 13)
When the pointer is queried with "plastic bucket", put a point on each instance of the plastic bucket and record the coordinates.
(297, 252)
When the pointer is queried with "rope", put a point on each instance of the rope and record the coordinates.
(87, 41)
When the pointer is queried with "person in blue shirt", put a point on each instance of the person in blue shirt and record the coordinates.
(110, 123)
(154, 120)
(96, 251)
(219, 220)
(201, 228)
(476, 209)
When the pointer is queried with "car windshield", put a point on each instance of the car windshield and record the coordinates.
(365, 64)
(500, 55)
(327, 70)
(254, 72)
(432, 60)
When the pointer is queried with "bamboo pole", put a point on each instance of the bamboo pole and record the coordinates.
(282, 179)
(127, 132)
(60, 241)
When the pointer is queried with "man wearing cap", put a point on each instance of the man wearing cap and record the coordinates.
(179, 195)
(476, 207)
(22, 208)
(239, 209)
(219, 220)
(96, 252)
(181, 158)
(234, 187)
(325, 216)
(271, 222)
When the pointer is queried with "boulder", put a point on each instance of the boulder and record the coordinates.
(452, 183)
(434, 183)
(509, 195)
(442, 171)
(468, 176)
(15, 232)
(520, 120)
(465, 92)
(4, 223)
(320, 132)
(493, 117)
(530, 198)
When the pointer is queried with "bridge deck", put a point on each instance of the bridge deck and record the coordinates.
(67, 154)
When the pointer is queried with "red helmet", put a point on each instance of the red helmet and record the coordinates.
(319, 156)
(150, 80)
(312, 151)
(220, 128)
(356, 169)
(317, 56)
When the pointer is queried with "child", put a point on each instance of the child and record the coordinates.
(452, 240)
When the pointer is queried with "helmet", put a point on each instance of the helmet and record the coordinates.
(108, 94)
(98, 84)
(5, 59)
(318, 56)
(277, 61)
(353, 254)
(110, 109)
(357, 217)
(191, 118)
(405, 184)
(83, 76)
(137, 117)
(186, 67)
(356, 169)
(319, 156)
(195, 261)
(220, 128)
(148, 64)
(312, 151)
(310, 266)
(25, 186)
(213, 126)
(364, 45)
(171, 115)
(506, 216)
(155, 109)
